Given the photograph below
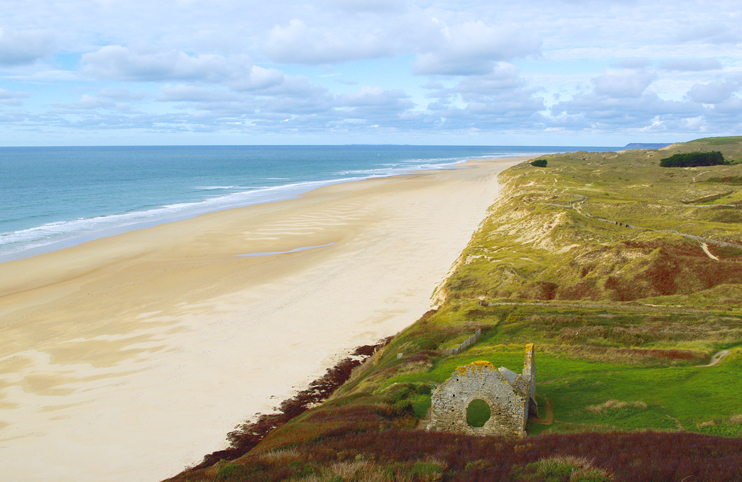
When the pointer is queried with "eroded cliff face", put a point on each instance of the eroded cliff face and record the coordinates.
(604, 227)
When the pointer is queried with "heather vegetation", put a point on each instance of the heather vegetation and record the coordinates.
(628, 279)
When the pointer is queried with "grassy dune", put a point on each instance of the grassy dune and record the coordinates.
(628, 278)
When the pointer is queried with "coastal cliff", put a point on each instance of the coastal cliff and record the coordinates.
(627, 277)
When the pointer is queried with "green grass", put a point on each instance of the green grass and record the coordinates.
(691, 394)
(477, 413)
(562, 469)
(421, 405)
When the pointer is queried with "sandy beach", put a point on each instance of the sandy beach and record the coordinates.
(130, 357)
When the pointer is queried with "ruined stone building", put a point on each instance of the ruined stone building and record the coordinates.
(510, 398)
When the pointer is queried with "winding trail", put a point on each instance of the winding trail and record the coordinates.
(577, 206)
(705, 248)
(595, 306)
(717, 358)
(549, 420)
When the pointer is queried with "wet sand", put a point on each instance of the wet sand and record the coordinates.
(131, 357)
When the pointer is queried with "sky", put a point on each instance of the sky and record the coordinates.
(489, 72)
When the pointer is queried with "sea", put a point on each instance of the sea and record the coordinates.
(55, 197)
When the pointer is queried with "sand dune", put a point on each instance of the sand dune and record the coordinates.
(130, 357)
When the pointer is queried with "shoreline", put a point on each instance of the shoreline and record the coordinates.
(253, 430)
(185, 210)
(166, 335)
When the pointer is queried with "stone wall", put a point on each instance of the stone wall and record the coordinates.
(509, 402)
(479, 381)
(529, 374)
(465, 344)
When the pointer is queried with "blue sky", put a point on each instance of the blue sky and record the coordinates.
(535, 72)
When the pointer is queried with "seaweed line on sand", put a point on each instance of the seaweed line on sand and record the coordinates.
(249, 434)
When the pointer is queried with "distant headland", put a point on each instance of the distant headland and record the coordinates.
(646, 145)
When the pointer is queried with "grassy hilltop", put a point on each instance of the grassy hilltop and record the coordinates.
(628, 278)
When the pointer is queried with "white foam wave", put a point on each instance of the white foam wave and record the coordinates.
(397, 170)
(55, 235)
(216, 188)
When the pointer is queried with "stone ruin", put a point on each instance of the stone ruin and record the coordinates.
(509, 396)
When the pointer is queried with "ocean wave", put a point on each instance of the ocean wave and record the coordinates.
(83, 229)
(399, 170)
(216, 188)
(54, 235)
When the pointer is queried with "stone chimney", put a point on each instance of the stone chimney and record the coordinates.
(529, 374)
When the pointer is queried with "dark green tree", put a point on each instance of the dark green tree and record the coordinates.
(694, 159)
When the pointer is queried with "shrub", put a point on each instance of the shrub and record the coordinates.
(590, 475)
(693, 159)
(566, 469)
(423, 389)
(427, 471)
(233, 472)
(397, 393)
(539, 163)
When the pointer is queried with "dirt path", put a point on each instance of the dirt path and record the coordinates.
(594, 306)
(705, 248)
(678, 425)
(716, 358)
(552, 381)
(549, 420)
(577, 206)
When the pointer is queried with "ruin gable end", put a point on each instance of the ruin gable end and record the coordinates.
(508, 395)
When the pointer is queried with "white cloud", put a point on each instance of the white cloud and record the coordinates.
(713, 92)
(691, 65)
(462, 48)
(202, 56)
(370, 96)
(712, 33)
(374, 104)
(496, 100)
(593, 111)
(122, 95)
(118, 99)
(23, 47)
(504, 77)
(6, 94)
(258, 78)
(299, 44)
(636, 63)
(191, 93)
(115, 62)
(730, 107)
(623, 83)
(373, 6)
(12, 98)
(89, 102)
(647, 113)
(473, 47)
